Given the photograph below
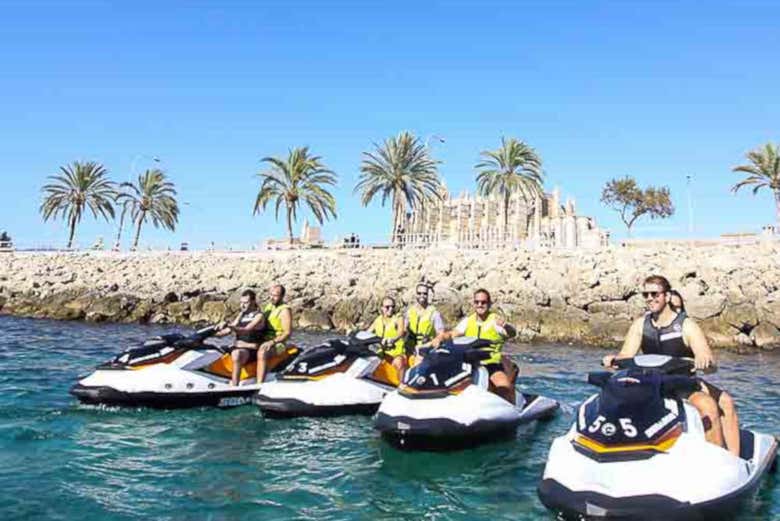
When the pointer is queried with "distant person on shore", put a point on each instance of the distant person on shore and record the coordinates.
(278, 320)
(248, 327)
(665, 331)
(484, 324)
(423, 321)
(389, 326)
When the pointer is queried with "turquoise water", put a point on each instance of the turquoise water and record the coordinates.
(60, 460)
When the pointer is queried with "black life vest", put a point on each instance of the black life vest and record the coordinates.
(254, 336)
(667, 340)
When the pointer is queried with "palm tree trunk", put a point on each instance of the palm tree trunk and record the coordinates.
(141, 217)
(289, 224)
(777, 210)
(506, 216)
(72, 233)
(394, 230)
(121, 224)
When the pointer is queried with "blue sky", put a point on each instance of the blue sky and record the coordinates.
(656, 90)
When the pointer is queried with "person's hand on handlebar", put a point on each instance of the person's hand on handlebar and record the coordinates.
(704, 361)
(608, 360)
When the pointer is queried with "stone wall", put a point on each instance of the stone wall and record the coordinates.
(560, 296)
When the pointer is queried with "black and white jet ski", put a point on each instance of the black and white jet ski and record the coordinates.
(636, 451)
(174, 371)
(445, 402)
(336, 377)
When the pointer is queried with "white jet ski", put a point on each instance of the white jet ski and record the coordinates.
(636, 451)
(337, 377)
(445, 402)
(174, 371)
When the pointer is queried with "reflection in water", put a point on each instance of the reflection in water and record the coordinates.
(60, 460)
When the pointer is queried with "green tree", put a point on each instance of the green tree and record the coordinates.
(78, 186)
(152, 197)
(631, 202)
(300, 178)
(513, 168)
(763, 170)
(400, 169)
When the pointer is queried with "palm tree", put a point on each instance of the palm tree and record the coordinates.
(763, 171)
(403, 170)
(78, 186)
(300, 178)
(154, 197)
(513, 168)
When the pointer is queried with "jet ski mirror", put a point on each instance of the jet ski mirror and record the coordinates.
(599, 378)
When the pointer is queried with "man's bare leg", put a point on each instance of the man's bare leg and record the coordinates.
(239, 357)
(503, 387)
(708, 409)
(730, 423)
(262, 359)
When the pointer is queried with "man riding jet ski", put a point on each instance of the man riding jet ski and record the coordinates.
(337, 377)
(174, 371)
(446, 402)
(637, 451)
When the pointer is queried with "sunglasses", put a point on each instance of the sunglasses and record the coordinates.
(651, 294)
(388, 307)
(481, 302)
(423, 293)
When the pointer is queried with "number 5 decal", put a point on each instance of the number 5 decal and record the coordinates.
(596, 425)
(628, 428)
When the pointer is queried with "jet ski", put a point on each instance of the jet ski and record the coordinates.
(445, 402)
(636, 451)
(337, 377)
(175, 371)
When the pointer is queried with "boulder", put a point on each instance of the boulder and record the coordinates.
(178, 312)
(705, 306)
(211, 311)
(765, 336)
(314, 319)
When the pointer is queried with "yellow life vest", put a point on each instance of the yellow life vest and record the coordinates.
(421, 325)
(387, 328)
(273, 320)
(486, 331)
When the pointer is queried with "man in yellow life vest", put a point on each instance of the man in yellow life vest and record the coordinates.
(423, 321)
(482, 323)
(278, 320)
(390, 328)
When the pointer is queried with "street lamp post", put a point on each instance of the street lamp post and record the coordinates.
(688, 179)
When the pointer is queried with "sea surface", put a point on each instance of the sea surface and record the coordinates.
(61, 460)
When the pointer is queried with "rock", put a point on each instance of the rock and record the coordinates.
(765, 336)
(170, 297)
(3, 300)
(314, 318)
(178, 312)
(114, 309)
(141, 312)
(159, 318)
(705, 306)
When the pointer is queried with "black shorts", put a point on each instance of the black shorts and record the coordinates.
(252, 353)
(712, 390)
(494, 368)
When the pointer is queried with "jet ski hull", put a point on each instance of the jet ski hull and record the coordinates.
(456, 422)
(109, 396)
(337, 394)
(576, 487)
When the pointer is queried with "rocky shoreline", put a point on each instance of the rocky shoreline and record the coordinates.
(552, 296)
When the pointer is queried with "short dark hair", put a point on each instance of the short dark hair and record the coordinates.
(249, 293)
(281, 289)
(485, 292)
(659, 281)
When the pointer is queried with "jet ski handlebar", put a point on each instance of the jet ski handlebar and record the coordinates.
(660, 363)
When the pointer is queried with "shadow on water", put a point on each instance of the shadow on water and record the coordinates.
(59, 460)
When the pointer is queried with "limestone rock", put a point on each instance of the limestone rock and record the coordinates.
(314, 318)
(765, 336)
